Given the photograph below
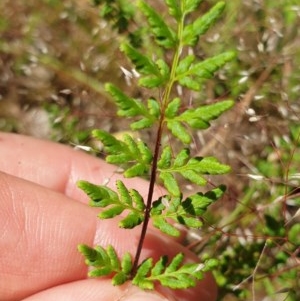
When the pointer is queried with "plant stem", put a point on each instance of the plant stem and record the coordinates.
(149, 198)
(164, 104)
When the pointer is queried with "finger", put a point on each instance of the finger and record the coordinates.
(40, 230)
(103, 290)
(94, 290)
(58, 167)
(40, 233)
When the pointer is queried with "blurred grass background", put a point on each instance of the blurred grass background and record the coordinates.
(55, 57)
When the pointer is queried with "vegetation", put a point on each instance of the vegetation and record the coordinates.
(164, 110)
(51, 80)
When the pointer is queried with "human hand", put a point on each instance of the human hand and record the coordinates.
(44, 216)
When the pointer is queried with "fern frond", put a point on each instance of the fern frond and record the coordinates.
(165, 70)
(200, 118)
(164, 35)
(154, 74)
(170, 182)
(154, 107)
(196, 118)
(106, 263)
(175, 275)
(196, 204)
(135, 153)
(191, 5)
(194, 75)
(100, 195)
(181, 158)
(130, 107)
(179, 131)
(206, 165)
(126, 199)
(111, 144)
(200, 26)
(174, 8)
(142, 63)
(173, 107)
(207, 68)
(165, 160)
(185, 212)
(184, 65)
(140, 278)
(191, 169)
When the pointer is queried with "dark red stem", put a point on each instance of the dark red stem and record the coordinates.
(149, 198)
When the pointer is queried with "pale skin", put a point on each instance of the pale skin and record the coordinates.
(44, 216)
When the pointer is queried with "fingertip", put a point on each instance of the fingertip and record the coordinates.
(145, 296)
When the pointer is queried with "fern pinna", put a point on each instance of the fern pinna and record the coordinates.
(167, 114)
